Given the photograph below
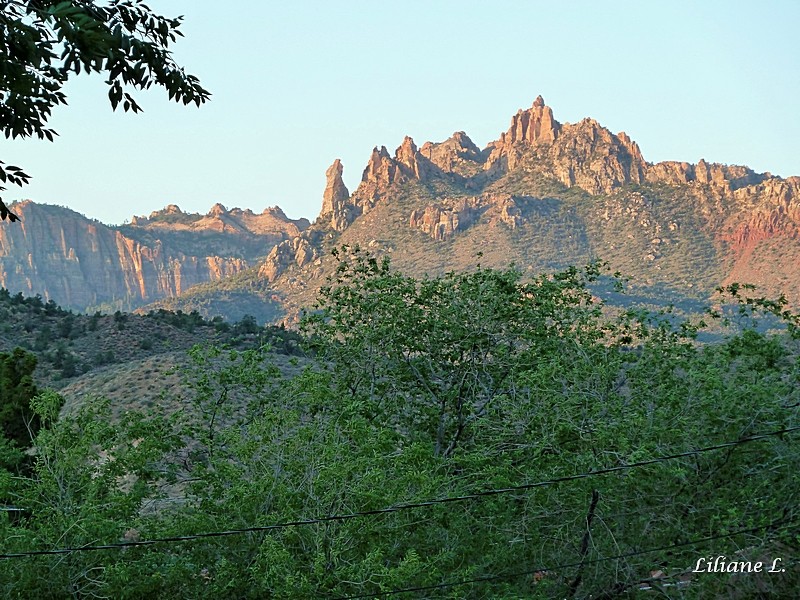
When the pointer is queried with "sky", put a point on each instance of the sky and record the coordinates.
(298, 84)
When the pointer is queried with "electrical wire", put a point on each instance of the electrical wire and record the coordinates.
(399, 507)
(543, 569)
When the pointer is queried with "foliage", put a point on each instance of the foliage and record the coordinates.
(457, 388)
(45, 42)
(459, 339)
(16, 390)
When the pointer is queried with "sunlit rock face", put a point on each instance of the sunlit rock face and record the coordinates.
(80, 263)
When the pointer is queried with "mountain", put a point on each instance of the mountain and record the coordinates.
(543, 196)
(83, 264)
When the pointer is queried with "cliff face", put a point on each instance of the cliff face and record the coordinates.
(81, 263)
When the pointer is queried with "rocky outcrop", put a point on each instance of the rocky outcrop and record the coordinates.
(444, 219)
(383, 171)
(730, 177)
(503, 208)
(584, 154)
(457, 154)
(297, 252)
(589, 156)
(335, 211)
(533, 126)
(82, 263)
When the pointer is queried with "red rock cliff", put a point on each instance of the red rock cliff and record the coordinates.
(82, 263)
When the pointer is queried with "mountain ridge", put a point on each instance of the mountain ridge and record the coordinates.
(592, 182)
(544, 195)
(82, 264)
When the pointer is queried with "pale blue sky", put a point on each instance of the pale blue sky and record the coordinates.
(297, 84)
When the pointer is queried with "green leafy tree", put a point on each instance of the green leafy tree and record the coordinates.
(17, 388)
(476, 435)
(90, 480)
(45, 42)
(449, 347)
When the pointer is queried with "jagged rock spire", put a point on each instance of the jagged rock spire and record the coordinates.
(335, 194)
(535, 125)
(336, 210)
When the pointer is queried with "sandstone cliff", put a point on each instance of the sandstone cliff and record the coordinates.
(82, 263)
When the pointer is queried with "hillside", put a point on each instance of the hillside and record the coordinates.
(126, 358)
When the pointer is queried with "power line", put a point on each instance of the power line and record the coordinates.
(543, 569)
(402, 506)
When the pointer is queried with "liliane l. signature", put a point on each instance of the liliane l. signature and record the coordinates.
(720, 564)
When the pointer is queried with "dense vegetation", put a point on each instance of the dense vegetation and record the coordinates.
(466, 436)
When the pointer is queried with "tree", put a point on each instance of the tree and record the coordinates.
(45, 42)
(585, 467)
(450, 346)
(16, 390)
(19, 423)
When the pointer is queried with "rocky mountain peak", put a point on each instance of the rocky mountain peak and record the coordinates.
(217, 210)
(462, 142)
(382, 171)
(380, 166)
(532, 127)
(454, 155)
(406, 154)
(535, 125)
(334, 198)
(584, 154)
(275, 212)
(169, 209)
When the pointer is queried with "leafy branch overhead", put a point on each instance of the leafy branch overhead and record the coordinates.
(43, 43)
